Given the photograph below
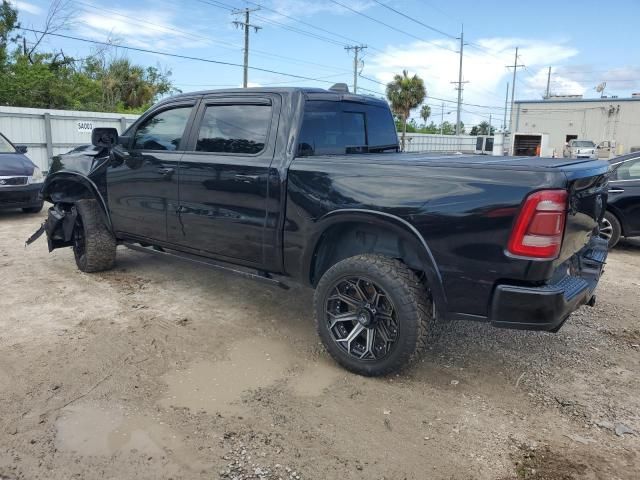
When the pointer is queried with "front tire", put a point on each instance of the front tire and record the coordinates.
(372, 314)
(94, 246)
(610, 229)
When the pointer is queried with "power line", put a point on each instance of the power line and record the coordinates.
(391, 26)
(277, 12)
(221, 43)
(494, 107)
(434, 29)
(174, 55)
(231, 8)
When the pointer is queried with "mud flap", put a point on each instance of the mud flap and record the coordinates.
(58, 227)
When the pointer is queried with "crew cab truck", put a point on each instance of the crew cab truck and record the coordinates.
(309, 185)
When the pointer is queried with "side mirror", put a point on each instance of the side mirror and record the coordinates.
(21, 148)
(104, 137)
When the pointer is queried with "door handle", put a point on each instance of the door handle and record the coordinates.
(616, 190)
(247, 178)
(166, 172)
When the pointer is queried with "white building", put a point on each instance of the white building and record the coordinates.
(609, 122)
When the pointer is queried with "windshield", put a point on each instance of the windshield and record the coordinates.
(5, 145)
(584, 143)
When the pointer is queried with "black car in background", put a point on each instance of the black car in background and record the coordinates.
(20, 179)
(622, 218)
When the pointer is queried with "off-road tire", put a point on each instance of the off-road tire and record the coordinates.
(36, 209)
(409, 296)
(94, 245)
(616, 228)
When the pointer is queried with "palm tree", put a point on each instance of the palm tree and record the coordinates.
(425, 113)
(405, 93)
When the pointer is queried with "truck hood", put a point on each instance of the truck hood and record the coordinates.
(15, 164)
(82, 162)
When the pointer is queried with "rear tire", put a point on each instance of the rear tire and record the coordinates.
(372, 314)
(94, 246)
(610, 229)
(36, 209)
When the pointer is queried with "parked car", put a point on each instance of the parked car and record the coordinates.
(580, 149)
(20, 179)
(308, 185)
(622, 218)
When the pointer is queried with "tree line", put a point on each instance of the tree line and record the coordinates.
(104, 81)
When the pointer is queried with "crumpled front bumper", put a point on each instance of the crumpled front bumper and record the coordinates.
(58, 227)
(546, 307)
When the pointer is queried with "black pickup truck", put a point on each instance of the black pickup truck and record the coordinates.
(308, 184)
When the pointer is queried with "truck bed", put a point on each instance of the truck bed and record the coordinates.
(486, 161)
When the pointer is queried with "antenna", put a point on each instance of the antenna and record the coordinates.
(600, 89)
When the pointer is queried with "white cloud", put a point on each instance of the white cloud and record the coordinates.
(26, 7)
(484, 67)
(153, 29)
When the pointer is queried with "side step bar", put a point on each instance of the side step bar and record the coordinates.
(257, 275)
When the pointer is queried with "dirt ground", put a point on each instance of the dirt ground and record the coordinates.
(165, 370)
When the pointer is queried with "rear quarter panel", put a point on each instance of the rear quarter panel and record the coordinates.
(463, 213)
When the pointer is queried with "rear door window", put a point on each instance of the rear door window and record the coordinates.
(240, 129)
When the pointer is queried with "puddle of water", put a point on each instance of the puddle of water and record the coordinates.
(88, 430)
(315, 378)
(218, 386)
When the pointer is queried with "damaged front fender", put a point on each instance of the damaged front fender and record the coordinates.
(64, 188)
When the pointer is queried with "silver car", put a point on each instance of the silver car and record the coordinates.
(580, 149)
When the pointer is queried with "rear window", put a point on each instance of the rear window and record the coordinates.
(334, 128)
(583, 144)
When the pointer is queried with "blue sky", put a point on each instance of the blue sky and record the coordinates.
(584, 42)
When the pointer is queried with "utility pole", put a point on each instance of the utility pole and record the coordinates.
(356, 49)
(246, 26)
(515, 67)
(548, 83)
(441, 118)
(489, 132)
(506, 104)
(460, 82)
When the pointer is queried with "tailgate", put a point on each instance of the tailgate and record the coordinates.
(587, 186)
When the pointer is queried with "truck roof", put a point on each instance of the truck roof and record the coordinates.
(309, 92)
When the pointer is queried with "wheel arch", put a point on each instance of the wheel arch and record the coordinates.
(616, 213)
(358, 231)
(69, 187)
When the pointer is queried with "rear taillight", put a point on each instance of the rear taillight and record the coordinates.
(539, 227)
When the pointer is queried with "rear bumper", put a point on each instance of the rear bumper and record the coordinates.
(546, 307)
(22, 196)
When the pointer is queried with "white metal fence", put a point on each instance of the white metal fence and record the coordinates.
(426, 142)
(50, 132)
